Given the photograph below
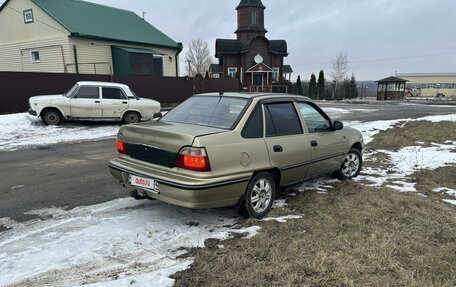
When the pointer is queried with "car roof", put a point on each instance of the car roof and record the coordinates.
(109, 84)
(254, 95)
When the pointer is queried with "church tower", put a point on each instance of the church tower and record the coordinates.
(250, 14)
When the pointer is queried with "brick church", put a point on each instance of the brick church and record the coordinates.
(257, 61)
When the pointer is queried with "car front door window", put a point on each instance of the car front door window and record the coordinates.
(315, 121)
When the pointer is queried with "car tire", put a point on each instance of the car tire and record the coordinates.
(131, 117)
(51, 117)
(351, 166)
(259, 196)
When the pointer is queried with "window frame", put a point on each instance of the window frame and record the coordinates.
(258, 107)
(230, 70)
(276, 73)
(162, 58)
(33, 58)
(28, 12)
(254, 18)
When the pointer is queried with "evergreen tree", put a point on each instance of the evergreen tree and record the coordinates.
(353, 89)
(346, 89)
(321, 86)
(313, 87)
(298, 86)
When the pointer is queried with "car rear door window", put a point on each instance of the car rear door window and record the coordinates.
(113, 94)
(254, 127)
(88, 93)
(282, 120)
(315, 121)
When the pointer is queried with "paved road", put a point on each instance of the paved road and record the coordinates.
(70, 175)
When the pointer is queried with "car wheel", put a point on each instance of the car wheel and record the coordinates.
(351, 166)
(131, 117)
(51, 117)
(259, 196)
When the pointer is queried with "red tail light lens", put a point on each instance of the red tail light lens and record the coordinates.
(121, 145)
(193, 159)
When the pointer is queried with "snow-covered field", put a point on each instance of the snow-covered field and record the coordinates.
(21, 131)
(138, 243)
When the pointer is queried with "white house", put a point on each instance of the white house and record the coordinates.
(73, 36)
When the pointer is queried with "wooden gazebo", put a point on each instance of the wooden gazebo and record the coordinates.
(391, 89)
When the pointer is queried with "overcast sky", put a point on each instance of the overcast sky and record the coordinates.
(380, 36)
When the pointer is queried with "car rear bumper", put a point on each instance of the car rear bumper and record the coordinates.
(32, 112)
(208, 193)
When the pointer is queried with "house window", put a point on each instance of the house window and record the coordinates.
(232, 72)
(28, 16)
(35, 55)
(253, 16)
(158, 66)
(275, 75)
(146, 64)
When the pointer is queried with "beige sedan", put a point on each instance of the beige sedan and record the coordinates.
(217, 150)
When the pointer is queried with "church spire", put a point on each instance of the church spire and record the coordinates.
(250, 20)
(251, 3)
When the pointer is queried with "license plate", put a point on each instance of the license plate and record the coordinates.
(146, 183)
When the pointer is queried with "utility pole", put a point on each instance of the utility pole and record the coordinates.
(189, 67)
(144, 15)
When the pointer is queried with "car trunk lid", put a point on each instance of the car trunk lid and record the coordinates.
(160, 142)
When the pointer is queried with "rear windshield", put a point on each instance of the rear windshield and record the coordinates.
(217, 111)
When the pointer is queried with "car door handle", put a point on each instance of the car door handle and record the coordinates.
(278, 148)
(314, 143)
(124, 103)
(97, 102)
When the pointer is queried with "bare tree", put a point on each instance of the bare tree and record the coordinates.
(340, 68)
(198, 57)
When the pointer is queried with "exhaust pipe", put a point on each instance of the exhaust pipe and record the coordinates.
(136, 194)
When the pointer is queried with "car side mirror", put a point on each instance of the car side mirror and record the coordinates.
(337, 125)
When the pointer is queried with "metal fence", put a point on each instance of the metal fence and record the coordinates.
(17, 87)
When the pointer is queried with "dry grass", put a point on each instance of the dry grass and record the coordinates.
(355, 235)
(427, 180)
(413, 132)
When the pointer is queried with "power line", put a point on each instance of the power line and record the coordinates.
(41, 22)
(383, 59)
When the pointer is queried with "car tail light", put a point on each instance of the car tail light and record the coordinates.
(193, 158)
(121, 145)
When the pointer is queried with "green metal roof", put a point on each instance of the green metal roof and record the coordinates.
(85, 19)
(287, 69)
(139, 51)
(279, 47)
(229, 46)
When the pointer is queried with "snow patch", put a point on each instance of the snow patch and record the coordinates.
(282, 219)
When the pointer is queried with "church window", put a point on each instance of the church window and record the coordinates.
(275, 74)
(254, 18)
(232, 72)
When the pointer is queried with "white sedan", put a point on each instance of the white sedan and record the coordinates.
(94, 101)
